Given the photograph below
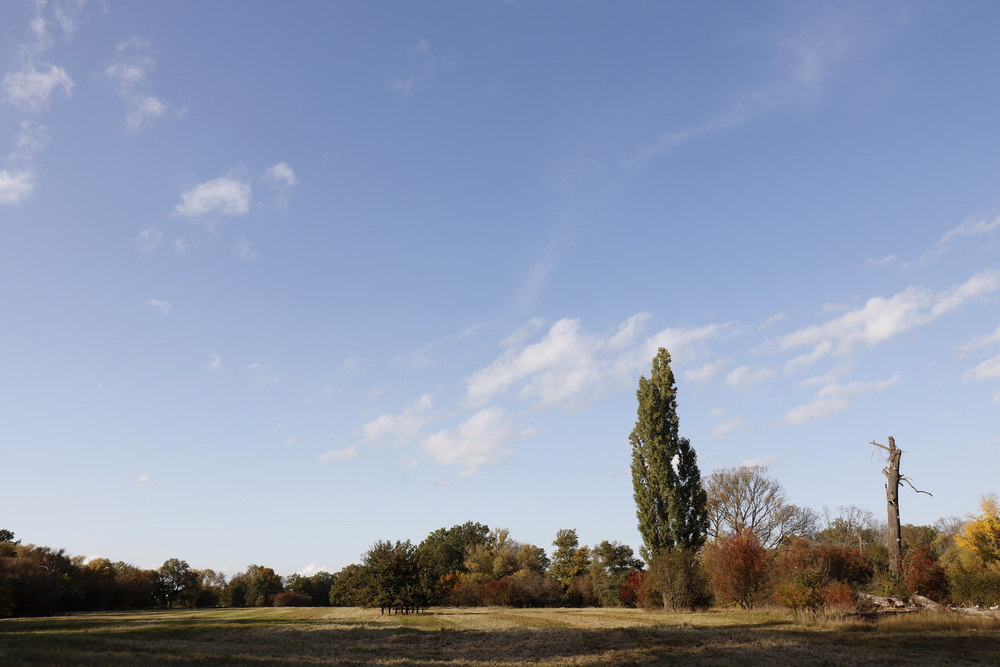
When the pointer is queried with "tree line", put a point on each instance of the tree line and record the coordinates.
(731, 538)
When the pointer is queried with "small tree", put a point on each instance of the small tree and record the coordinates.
(569, 560)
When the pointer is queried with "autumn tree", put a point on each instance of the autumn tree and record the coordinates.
(178, 582)
(982, 532)
(611, 565)
(745, 498)
(569, 560)
(444, 551)
(670, 501)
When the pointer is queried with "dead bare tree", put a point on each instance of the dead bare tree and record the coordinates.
(891, 471)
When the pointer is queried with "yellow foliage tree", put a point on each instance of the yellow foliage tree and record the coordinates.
(982, 532)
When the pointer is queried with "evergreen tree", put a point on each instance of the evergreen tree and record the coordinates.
(670, 501)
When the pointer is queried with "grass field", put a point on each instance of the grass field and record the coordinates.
(509, 637)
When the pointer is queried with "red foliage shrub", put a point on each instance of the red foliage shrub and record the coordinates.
(291, 600)
(466, 594)
(923, 575)
(737, 568)
(838, 595)
(629, 592)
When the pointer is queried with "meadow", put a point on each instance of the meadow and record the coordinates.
(470, 637)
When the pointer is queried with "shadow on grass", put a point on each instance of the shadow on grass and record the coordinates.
(238, 639)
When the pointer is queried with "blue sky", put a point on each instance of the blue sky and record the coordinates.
(280, 281)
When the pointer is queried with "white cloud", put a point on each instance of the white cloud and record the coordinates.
(835, 398)
(30, 88)
(281, 174)
(980, 342)
(885, 261)
(215, 363)
(570, 367)
(811, 56)
(725, 427)
(476, 442)
(988, 370)
(290, 440)
(970, 228)
(131, 67)
(747, 376)
(144, 479)
(16, 185)
(265, 375)
(882, 318)
(345, 454)
(160, 307)
(402, 428)
(242, 249)
(522, 334)
(716, 412)
(707, 372)
(766, 462)
(150, 239)
(224, 195)
(311, 569)
(427, 65)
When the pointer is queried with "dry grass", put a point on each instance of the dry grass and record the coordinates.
(479, 637)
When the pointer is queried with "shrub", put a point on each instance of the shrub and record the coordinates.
(291, 600)
(629, 592)
(677, 580)
(737, 567)
(923, 575)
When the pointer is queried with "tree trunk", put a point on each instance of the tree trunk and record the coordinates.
(892, 498)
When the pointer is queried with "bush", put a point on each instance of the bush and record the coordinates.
(291, 600)
(737, 568)
(677, 580)
(923, 575)
(629, 592)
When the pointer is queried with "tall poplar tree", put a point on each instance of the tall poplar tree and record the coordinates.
(670, 501)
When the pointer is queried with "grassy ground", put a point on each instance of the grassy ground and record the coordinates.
(473, 637)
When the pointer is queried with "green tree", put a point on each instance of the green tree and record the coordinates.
(443, 552)
(8, 536)
(569, 560)
(670, 501)
(178, 582)
(611, 564)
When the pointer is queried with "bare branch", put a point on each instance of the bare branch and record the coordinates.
(907, 480)
(878, 445)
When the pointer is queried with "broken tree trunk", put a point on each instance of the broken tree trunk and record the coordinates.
(893, 480)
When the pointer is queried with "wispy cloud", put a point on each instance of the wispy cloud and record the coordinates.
(31, 88)
(161, 308)
(225, 195)
(747, 376)
(427, 64)
(980, 342)
(242, 249)
(835, 398)
(880, 319)
(280, 174)
(811, 56)
(214, 363)
(265, 375)
(130, 70)
(402, 428)
(571, 367)
(346, 454)
(707, 372)
(987, 370)
(149, 239)
(18, 181)
(724, 428)
(969, 228)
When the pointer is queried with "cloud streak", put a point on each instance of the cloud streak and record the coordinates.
(880, 319)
